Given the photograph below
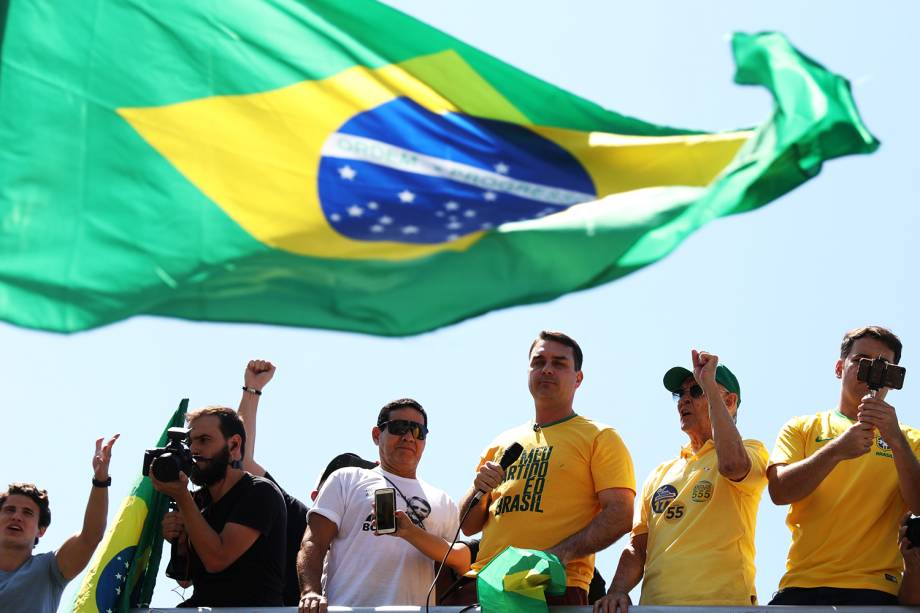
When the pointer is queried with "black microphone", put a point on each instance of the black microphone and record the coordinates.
(510, 456)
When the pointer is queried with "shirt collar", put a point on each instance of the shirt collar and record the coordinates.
(687, 451)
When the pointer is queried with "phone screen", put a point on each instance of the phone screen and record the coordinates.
(385, 504)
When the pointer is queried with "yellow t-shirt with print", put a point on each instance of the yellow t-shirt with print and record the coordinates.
(700, 528)
(845, 533)
(550, 493)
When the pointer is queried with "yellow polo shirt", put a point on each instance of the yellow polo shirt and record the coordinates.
(845, 533)
(700, 529)
(550, 493)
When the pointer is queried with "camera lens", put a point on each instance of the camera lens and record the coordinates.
(166, 467)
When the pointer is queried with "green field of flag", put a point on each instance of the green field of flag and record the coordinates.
(296, 163)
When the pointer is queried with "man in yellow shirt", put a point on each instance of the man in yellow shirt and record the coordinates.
(570, 493)
(693, 533)
(848, 476)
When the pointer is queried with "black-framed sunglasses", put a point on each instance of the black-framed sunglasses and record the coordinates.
(695, 391)
(399, 427)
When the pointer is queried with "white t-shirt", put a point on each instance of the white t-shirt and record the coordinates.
(366, 570)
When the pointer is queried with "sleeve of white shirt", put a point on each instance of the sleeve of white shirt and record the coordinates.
(330, 502)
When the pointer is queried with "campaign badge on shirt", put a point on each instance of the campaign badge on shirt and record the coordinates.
(662, 497)
(702, 492)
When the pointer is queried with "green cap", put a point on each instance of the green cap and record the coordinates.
(676, 376)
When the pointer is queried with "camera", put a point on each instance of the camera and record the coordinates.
(913, 531)
(879, 373)
(166, 462)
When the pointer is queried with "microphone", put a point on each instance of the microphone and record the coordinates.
(510, 456)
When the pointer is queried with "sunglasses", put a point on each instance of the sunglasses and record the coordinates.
(695, 391)
(398, 427)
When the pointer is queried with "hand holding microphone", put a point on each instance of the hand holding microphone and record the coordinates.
(491, 474)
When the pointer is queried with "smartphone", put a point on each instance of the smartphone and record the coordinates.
(913, 531)
(385, 510)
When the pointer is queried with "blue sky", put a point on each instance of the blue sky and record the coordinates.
(771, 292)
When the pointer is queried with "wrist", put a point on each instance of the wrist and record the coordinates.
(710, 387)
(898, 442)
(105, 481)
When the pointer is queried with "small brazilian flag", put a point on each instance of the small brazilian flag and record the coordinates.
(124, 568)
(517, 581)
(342, 165)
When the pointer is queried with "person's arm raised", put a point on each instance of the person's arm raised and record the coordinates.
(74, 554)
(734, 462)
(256, 376)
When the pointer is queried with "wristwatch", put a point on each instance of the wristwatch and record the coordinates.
(106, 483)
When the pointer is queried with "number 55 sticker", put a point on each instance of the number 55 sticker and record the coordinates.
(675, 512)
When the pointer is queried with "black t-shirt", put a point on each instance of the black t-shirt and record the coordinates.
(296, 526)
(256, 578)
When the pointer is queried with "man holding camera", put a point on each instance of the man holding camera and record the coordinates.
(230, 534)
(692, 540)
(571, 492)
(35, 582)
(364, 569)
(848, 476)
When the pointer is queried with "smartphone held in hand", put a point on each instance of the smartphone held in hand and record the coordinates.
(385, 510)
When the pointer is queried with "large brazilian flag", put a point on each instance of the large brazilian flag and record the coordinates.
(123, 570)
(342, 165)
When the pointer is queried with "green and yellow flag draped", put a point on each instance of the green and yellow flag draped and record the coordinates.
(342, 165)
(123, 571)
(517, 581)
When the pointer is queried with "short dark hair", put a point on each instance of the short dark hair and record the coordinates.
(230, 423)
(879, 333)
(39, 497)
(563, 339)
(402, 403)
(344, 460)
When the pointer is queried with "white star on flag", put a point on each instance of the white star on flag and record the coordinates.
(348, 173)
(469, 213)
(410, 230)
(451, 206)
(406, 196)
(454, 225)
(335, 217)
(355, 211)
(372, 206)
(376, 228)
(502, 168)
(386, 220)
(490, 196)
(118, 575)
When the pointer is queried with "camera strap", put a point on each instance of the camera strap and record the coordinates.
(410, 511)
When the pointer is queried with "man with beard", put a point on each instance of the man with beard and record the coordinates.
(231, 532)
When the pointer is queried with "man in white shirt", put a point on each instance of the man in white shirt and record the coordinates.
(364, 569)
